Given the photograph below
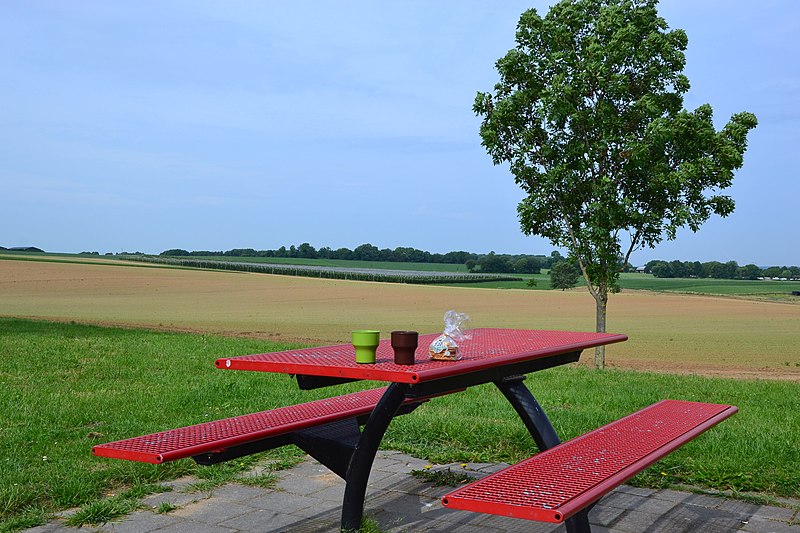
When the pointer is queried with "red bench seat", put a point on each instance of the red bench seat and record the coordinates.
(219, 435)
(561, 481)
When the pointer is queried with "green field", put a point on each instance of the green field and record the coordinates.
(766, 289)
(65, 387)
(627, 281)
(709, 286)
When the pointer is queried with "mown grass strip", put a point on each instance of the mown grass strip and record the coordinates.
(65, 387)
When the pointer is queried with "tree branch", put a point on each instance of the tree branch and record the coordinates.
(580, 262)
(633, 247)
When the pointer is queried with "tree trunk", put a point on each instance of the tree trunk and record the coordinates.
(601, 301)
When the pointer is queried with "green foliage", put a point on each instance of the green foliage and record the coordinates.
(589, 115)
(165, 507)
(717, 270)
(264, 481)
(102, 511)
(563, 275)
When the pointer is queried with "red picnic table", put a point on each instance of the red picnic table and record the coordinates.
(560, 484)
(499, 356)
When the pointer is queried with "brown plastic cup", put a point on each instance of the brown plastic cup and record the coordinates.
(404, 344)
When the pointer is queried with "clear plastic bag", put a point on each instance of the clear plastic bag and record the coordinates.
(445, 346)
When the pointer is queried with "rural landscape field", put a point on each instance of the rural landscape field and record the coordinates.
(98, 350)
(711, 335)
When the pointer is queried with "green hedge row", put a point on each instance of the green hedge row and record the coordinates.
(357, 274)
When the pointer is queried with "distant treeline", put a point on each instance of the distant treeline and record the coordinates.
(486, 263)
(22, 249)
(717, 270)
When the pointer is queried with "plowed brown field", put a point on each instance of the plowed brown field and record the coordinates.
(667, 332)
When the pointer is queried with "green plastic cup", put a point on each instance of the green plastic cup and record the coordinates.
(366, 341)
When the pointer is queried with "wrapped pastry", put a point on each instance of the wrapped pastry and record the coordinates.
(445, 346)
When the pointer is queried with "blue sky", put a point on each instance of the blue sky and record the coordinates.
(143, 126)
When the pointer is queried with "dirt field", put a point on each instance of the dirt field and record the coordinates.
(676, 333)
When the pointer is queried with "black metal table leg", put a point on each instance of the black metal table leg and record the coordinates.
(529, 410)
(579, 523)
(364, 455)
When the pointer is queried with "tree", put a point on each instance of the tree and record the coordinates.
(750, 271)
(589, 114)
(527, 265)
(366, 252)
(563, 275)
(175, 252)
(495, 263)
(305, 250)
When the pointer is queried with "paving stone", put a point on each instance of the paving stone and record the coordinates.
(181, 483)
(283, 503)
(178, 499)
(668, 495)
(140, 522)
(522, 526)
(259, 521)
(52, 527)
(636, 522)
(622, 500)
(236, 492)
(189, 526)
(636, 491)
(211, 511)
(333, 494)
(776, 513)
(306, 483)
(758, 524)
(739, 507)
(696, 519)
(653, 506)
(702, 500)
(605, 515)
(319, 523)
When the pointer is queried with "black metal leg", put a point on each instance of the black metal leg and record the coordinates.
(529, 410)
(364, 455)
(542, 431)
(579, 523)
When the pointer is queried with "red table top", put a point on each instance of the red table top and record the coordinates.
(485, 349)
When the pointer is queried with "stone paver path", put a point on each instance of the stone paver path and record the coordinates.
(308, 498)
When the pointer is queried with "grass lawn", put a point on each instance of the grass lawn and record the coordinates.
(65, 387)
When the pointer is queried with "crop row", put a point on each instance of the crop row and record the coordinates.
(357, 274)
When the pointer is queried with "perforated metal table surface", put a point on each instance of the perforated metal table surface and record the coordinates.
(487, 348)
